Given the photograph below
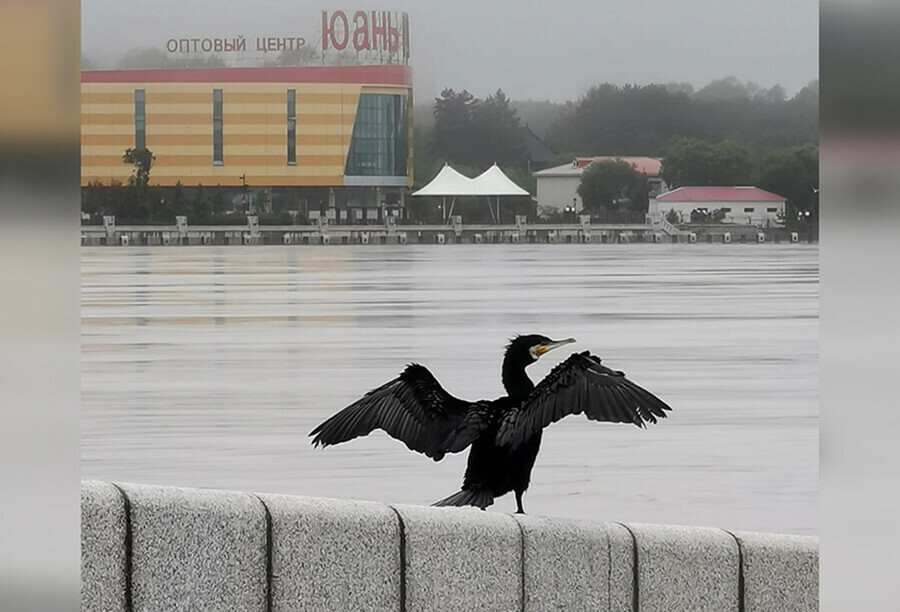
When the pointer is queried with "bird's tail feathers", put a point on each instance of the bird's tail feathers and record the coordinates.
(468, 497)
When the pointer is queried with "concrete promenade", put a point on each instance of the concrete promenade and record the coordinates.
(148, 548)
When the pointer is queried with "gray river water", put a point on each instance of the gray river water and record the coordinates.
(208, 367)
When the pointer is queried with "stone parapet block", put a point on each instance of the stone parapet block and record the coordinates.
(781, 572)
(333, 555)
(461, 559)
(103, 548)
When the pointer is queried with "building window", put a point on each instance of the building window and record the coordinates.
(379, 145)
(772, 210)
(140, 120)
(726, 209)
(292, 127)
(749, 209)
(217, 127)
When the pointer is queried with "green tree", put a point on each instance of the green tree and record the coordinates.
(200, 207)
(453, 135)
(682, 87)
(537, 115)
(775, 94)
(687, 161)
(137, 204)
(100, 199)
(179, 204)
(731, 164)
(497, 132)
(793, 172)
(142, 160)
(690, 161)
(218, 202)
(728, 88)
(809, 95)
(611, 185)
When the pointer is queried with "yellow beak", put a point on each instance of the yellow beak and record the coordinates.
(549, 346)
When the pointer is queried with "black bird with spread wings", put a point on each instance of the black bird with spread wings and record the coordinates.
(504, 433)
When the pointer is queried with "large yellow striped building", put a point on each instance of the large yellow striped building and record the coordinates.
(328, 126)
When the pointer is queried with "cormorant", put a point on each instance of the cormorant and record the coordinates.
(505, 433)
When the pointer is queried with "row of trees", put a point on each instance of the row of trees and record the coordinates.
(727, 133)
(472, 132)
(156, 205)
(139, 202)
(643, 120)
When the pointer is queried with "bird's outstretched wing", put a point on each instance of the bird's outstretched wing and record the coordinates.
(580, 384)
(413, 408)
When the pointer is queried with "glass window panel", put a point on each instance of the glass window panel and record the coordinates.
(140, 120)
(291, 127)
(379, 144)
(217, 127)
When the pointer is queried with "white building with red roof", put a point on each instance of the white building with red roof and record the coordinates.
(740, 205)
(558, 186)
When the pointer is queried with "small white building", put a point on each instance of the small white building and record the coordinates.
(558, 186)
(740, 205)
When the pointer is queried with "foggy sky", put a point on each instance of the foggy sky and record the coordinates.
(531, 50)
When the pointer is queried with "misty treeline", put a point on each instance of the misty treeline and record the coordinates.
(640, 119)
(643, 120)
(727, 133)
(150, 58)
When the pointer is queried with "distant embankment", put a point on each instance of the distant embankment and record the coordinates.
(162, 548)
(323, 233)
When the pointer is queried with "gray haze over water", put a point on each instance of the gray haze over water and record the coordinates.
(209, 366)
(532, 50)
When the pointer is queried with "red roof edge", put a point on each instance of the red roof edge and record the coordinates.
(719, 194)
(374, 75)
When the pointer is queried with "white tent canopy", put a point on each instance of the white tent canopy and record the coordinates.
(491, 182)
(448, 182)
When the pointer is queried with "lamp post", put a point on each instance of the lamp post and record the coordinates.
(815, 213)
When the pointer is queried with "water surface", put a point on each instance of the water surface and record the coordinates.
(208, 366)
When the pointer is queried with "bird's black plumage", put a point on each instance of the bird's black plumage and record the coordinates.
(504, 434)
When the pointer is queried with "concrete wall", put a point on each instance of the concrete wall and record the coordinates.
(558, 191)
(160, 548)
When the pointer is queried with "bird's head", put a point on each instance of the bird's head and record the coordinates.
(528, 349)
